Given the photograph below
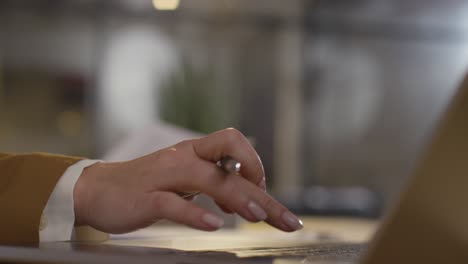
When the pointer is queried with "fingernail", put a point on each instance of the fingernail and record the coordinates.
(212, 220)
(292, 221)
(262, 184)
(257, 211)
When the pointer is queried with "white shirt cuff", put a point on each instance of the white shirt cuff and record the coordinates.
(58, 217)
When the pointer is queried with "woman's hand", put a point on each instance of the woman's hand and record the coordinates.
(125, 196)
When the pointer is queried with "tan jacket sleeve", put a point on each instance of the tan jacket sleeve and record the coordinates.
(26, 182)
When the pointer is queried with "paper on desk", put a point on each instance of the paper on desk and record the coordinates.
(243, 244)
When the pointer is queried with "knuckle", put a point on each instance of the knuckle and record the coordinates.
(184, 143)
(234, 135)
(168, 155)
(172, 159)
(269, 204)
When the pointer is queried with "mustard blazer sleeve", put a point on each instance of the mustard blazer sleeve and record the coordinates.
(26, 182)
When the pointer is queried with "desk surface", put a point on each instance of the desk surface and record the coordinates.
(322, 239)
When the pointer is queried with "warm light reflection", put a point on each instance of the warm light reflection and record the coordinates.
(166, 4)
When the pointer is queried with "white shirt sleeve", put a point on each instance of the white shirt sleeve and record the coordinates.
(58, 217)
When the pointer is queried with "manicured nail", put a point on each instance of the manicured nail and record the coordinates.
(292, 221)
(212, 220)
(257, 211)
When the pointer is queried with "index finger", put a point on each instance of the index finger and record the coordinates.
(231, 142)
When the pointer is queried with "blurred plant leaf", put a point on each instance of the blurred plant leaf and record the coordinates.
(191, 99)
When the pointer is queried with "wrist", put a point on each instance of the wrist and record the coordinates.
(81, 193)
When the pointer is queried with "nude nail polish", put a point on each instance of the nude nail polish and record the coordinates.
(257, 211)
(212, 220)
(292, 221)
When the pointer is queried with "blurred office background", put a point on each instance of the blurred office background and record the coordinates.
(338, 96)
